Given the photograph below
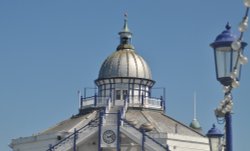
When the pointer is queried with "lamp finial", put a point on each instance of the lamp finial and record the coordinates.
(228, 26)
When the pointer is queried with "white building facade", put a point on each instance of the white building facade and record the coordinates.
(121, 116)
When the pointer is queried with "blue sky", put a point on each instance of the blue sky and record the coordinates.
(50, 49)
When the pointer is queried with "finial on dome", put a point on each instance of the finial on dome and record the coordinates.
(125, 34)
(125, 27)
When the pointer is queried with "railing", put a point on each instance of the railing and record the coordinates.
(87, 102)
(154, 103)
(146, 136)
(133, 101)
(94, 101)
(147, 102)
(70, 140)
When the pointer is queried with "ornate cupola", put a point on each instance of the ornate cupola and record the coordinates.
(125, 75)
(125, 62)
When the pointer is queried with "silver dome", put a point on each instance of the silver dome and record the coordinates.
(125, 63)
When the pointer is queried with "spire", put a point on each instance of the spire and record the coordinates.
(125, 34)
(125, 26)
(195, 123)
(194, 105)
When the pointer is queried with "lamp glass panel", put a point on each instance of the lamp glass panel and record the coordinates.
(223, 61)
(214, 143)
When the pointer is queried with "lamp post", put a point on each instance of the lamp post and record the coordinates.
(215, 136)
(228, 56)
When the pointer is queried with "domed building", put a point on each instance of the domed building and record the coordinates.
(125, 75)
(121, 116)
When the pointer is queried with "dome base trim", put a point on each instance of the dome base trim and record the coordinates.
(113, 80)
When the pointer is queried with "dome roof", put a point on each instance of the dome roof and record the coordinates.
(226, 35)
(125, 63)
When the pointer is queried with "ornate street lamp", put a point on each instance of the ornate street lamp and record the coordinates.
(228, 57)
(214, 135)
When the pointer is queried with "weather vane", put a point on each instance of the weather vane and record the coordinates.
(126, 15)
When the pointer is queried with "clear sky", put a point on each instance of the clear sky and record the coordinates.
(49, 49)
